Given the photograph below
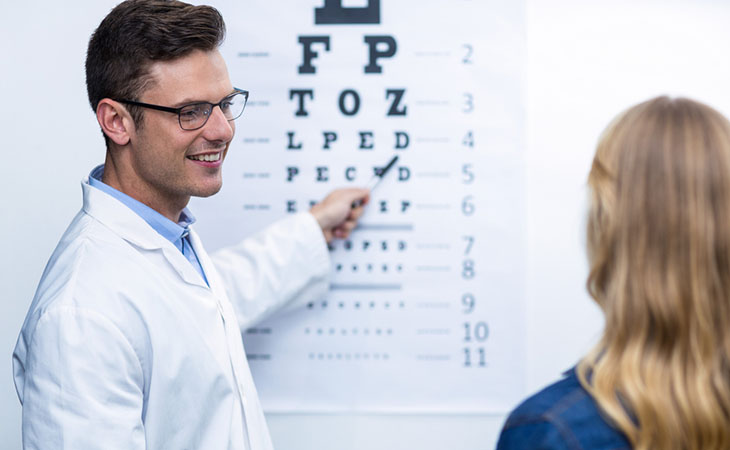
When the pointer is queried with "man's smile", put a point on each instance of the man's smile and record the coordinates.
(207, 157)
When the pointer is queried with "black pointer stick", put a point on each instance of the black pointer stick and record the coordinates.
(379, 174)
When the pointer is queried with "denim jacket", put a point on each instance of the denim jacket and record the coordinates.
(561, 416)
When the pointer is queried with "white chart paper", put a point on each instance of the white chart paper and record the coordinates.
(426, 307)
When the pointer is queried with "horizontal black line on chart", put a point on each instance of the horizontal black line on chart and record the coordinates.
(432, 53)
(385, 226)
(349, 356)
(433, 246)
(432, 140)
(257, 207)
(434, 331)
(257, 357)
(433, 268)
(433, 357)
(366, 287)
(249, 140)
(433, 206)
(256, 175)
(344, 331)
(253, 54)
(433, 174)
(433, 305)
(258, 331)
(432, 102)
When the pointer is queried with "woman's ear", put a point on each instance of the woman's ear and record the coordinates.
(115, 121)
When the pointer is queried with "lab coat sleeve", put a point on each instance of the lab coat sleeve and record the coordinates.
(83, 384)
(285, 264)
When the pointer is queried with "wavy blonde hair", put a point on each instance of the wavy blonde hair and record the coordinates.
(659, 251)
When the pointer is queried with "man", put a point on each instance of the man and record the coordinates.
(133, 339)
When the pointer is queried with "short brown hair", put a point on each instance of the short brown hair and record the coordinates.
(137, 33)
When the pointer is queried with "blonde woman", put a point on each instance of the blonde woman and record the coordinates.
(659, 252)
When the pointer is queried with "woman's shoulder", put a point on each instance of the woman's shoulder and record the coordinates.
(561, 416)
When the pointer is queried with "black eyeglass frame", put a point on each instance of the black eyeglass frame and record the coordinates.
(177, 111)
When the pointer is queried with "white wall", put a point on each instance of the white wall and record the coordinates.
(49, 141)
(587, 60)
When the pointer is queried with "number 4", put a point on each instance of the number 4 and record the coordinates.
(468, 140)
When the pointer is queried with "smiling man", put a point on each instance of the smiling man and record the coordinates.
(133, 339)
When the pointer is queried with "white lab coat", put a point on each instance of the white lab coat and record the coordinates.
(126, 347)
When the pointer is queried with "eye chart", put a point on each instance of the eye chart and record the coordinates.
(426, 306)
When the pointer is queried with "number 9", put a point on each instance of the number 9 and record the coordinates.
(468, 302)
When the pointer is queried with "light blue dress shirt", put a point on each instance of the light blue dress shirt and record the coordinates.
(177, 233)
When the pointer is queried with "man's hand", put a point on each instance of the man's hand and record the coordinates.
(336, 215)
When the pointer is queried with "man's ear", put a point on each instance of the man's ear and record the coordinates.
(115, 121)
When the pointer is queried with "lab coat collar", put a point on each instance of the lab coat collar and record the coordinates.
(172, 231)
(132, 228)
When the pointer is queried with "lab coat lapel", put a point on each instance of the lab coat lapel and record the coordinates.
(257, 430)
(183, 267)
(207, 264)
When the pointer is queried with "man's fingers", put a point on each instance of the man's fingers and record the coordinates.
(345, 228)
(349, 225)
(356, 213)
(338, 214)
(362, 197)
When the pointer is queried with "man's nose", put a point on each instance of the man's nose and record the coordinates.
(218, 127)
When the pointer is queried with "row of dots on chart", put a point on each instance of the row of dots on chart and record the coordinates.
(353, 331)
(349, 356)
(356, 305)
(370, 268)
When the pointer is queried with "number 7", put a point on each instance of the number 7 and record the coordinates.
(469, 242)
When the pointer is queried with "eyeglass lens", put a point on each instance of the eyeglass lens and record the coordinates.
(196, 115)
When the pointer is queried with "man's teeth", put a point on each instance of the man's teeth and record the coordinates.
(210, 157)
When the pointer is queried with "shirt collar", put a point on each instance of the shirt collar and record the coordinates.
(170, 230)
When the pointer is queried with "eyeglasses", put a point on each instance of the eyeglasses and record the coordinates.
(196, 115)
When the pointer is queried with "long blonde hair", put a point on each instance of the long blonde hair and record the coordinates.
(659, 251)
